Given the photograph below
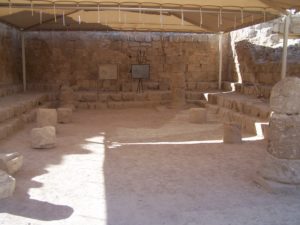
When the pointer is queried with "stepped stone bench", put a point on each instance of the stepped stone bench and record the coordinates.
(11, 163)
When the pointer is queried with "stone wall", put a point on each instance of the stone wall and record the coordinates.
(260, 64)
(56, 58)
(10, 56)
(259, 53)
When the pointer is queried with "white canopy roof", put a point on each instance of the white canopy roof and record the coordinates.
(147, 15)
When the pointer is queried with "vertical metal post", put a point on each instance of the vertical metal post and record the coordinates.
(23, 62)
(220, 59)
(285, 43)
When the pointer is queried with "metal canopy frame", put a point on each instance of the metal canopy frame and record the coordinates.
(62, 15)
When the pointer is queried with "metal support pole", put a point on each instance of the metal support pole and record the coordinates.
(220, 60)
(23, 62)
(285, 43)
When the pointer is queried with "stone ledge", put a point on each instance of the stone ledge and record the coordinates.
(248, 123)
(14, 106)
(123, 96)
(240, 103)
(10, 89)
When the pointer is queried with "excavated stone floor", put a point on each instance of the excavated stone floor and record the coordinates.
(142, 166)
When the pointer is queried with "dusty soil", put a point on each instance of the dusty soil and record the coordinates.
(142, 167)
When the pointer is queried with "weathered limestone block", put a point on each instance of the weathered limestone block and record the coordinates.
(284, 136)
(46, 117)
(64, 115)
(128, 96)
(7, 185)
(87, 97)
(178, 97)
(198, 115)
(154, 96)
(66, 96)
(11, 163)
(42, 138)
(116, 97)
(285, 96)
(232, 133)
(281, 170)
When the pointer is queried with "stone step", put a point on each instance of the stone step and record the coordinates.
(199, 95)
(6, 90)
(200, 103)
(18, 104)
(249, 124)
(90, 96)
(119, 105)
(243, 104)
(17, 110)
(257, 90)
(194, 95)
(10, 126)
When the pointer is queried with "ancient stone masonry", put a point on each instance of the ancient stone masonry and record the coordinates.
(258, 54)
(283, 158)
(74, 58)
(10, 56)
(260, 64)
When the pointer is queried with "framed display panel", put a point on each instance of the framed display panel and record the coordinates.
(108, 72)
(140, 71)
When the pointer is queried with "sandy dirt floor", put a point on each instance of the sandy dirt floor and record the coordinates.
(142, 167)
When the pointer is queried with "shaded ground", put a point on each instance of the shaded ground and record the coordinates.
(140, 167)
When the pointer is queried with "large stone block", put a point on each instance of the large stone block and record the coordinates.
(284, 136)
(232, 133)
(7, 185)
(46, 117)
(11, 163)
(64, 115)
(43, 138)
(197, 115)
(285, 96)
(281, 170)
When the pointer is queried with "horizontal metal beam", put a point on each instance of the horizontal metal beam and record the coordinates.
(96, 7)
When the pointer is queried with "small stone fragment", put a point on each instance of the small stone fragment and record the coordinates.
(7, 185)
(11, 163)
